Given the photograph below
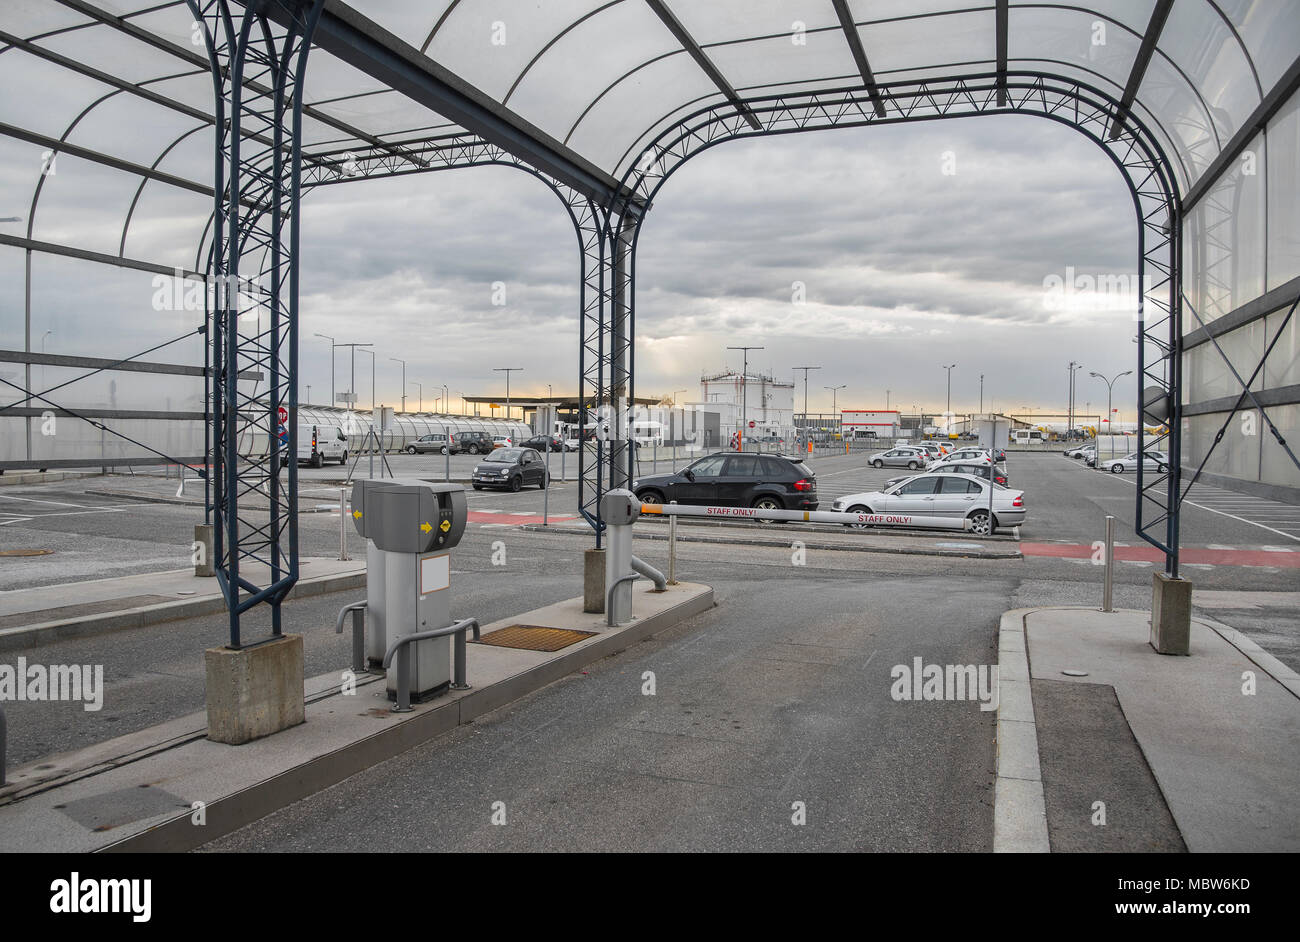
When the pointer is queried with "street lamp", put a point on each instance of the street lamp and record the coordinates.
(1073, 367)
(353, 393)
(372, 378)
(332, 345)
(420, 387)
(839, 426)
(403, 362)
(1110, 387)
(744, 405)
(948, 411)
(508, 370)
(806, 431)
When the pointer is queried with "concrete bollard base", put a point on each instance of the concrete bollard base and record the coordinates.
(254, 692)
(593, 581)
(202, 550)
(1171, 615)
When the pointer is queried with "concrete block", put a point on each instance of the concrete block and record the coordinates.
(256, 691)
(593, 581)
(1171, 615)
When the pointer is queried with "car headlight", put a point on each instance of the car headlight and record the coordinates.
(635, 485)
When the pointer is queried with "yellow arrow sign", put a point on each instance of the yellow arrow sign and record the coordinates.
(357, 514)
(445, 526)
(426, 527)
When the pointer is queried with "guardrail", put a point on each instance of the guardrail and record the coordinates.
(401, 647)
(358, 610)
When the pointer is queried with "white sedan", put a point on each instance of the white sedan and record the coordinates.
(951, 499)
(1154, 461)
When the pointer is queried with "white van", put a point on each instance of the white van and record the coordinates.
(1028, 436)
(319, 443)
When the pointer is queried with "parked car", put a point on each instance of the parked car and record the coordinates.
(933, 449)
(427, 443)
(903, 457)
(502, 441)
(1153, 461)
(727, 479)
(982, 471)
(319, 443)
(510, 468)
(952, 498)
(474, 443)
(1078, 451)
(543, 442)
(967, 456)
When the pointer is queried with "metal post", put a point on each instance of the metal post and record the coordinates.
(1108, 580)
(672, 548)
(546, 491)
(458, 668)
(358, 640)
(446, 431)
(343, 524)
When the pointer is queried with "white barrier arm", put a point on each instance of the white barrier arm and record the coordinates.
(803, 516)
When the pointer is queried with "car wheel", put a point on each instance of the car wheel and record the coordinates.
(768, 503)
(877, 463)
(542, 485)
(478, 487)
(1117, 469)
(1162, 468)
(318, 460)
(650, 497)
(911, 465)
(410, 449)
(516, 483)
(344, 459)
(979, 523)
(859, 509)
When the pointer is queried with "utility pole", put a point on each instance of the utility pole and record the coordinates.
(508, 370)
(807, 432)
(403, 362)
(332, 346)
(744, 378)
(1110, 421)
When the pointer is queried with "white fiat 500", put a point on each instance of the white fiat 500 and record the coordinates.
(940, 500)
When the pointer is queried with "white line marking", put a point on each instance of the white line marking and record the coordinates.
(1224, 513)
(38, 500)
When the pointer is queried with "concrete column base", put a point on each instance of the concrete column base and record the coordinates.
(203, 550)
(593, 581)
(1171, 615)
(254, 692)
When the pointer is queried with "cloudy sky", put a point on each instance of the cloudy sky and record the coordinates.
(916, 245)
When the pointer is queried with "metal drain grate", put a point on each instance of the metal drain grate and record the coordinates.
(534, 637)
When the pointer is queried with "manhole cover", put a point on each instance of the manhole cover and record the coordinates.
(534, 637)
(26, 552)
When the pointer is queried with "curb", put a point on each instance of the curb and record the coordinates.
(785, 544)
(26, 635)
(235, 811)
(1019, 807)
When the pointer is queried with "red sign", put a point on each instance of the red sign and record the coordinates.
(284, 415)
(751, 424)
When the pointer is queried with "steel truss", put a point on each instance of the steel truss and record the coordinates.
(257, 70)
(607, 234)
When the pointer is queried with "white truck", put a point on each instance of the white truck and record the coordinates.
(866, 425)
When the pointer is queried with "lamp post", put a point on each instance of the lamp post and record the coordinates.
(1110, 422)
(508, 370)
(372, 379)
(332, 345)
(419, 386)
(981, 393)
(744, 406)
(403, 362)
(353, 391)
(839, 427)
(948, 411)
(806, 432)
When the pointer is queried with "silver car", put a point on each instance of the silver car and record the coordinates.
(427, 443)
(1155, 461)
(904, 457)
(952, 498)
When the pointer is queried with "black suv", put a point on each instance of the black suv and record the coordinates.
(475, 443)
(728, 479)
(542, 443)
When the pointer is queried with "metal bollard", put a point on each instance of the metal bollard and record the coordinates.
(343, 524)
(1108, 580)
(672, 548)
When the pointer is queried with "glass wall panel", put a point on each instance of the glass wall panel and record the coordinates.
(1284, 194)
(1235, 456)
(1283, 366)
(1276, 467)
(1205, 373)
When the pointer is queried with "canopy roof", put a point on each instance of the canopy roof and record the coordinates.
(577, 87)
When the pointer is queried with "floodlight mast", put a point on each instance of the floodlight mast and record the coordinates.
(807, 432)
(744, 407)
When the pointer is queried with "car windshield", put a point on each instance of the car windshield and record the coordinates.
(505, 456)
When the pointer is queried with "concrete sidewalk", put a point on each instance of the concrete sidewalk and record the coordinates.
(169, 788)
(67, 610)
(1217, 738)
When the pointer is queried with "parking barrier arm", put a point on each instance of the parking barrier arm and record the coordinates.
(401, 648)
(358, 610)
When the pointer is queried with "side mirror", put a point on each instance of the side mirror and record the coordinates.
(688, 474)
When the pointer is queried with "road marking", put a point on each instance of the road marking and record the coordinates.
(38, 500)
(1224, 513)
